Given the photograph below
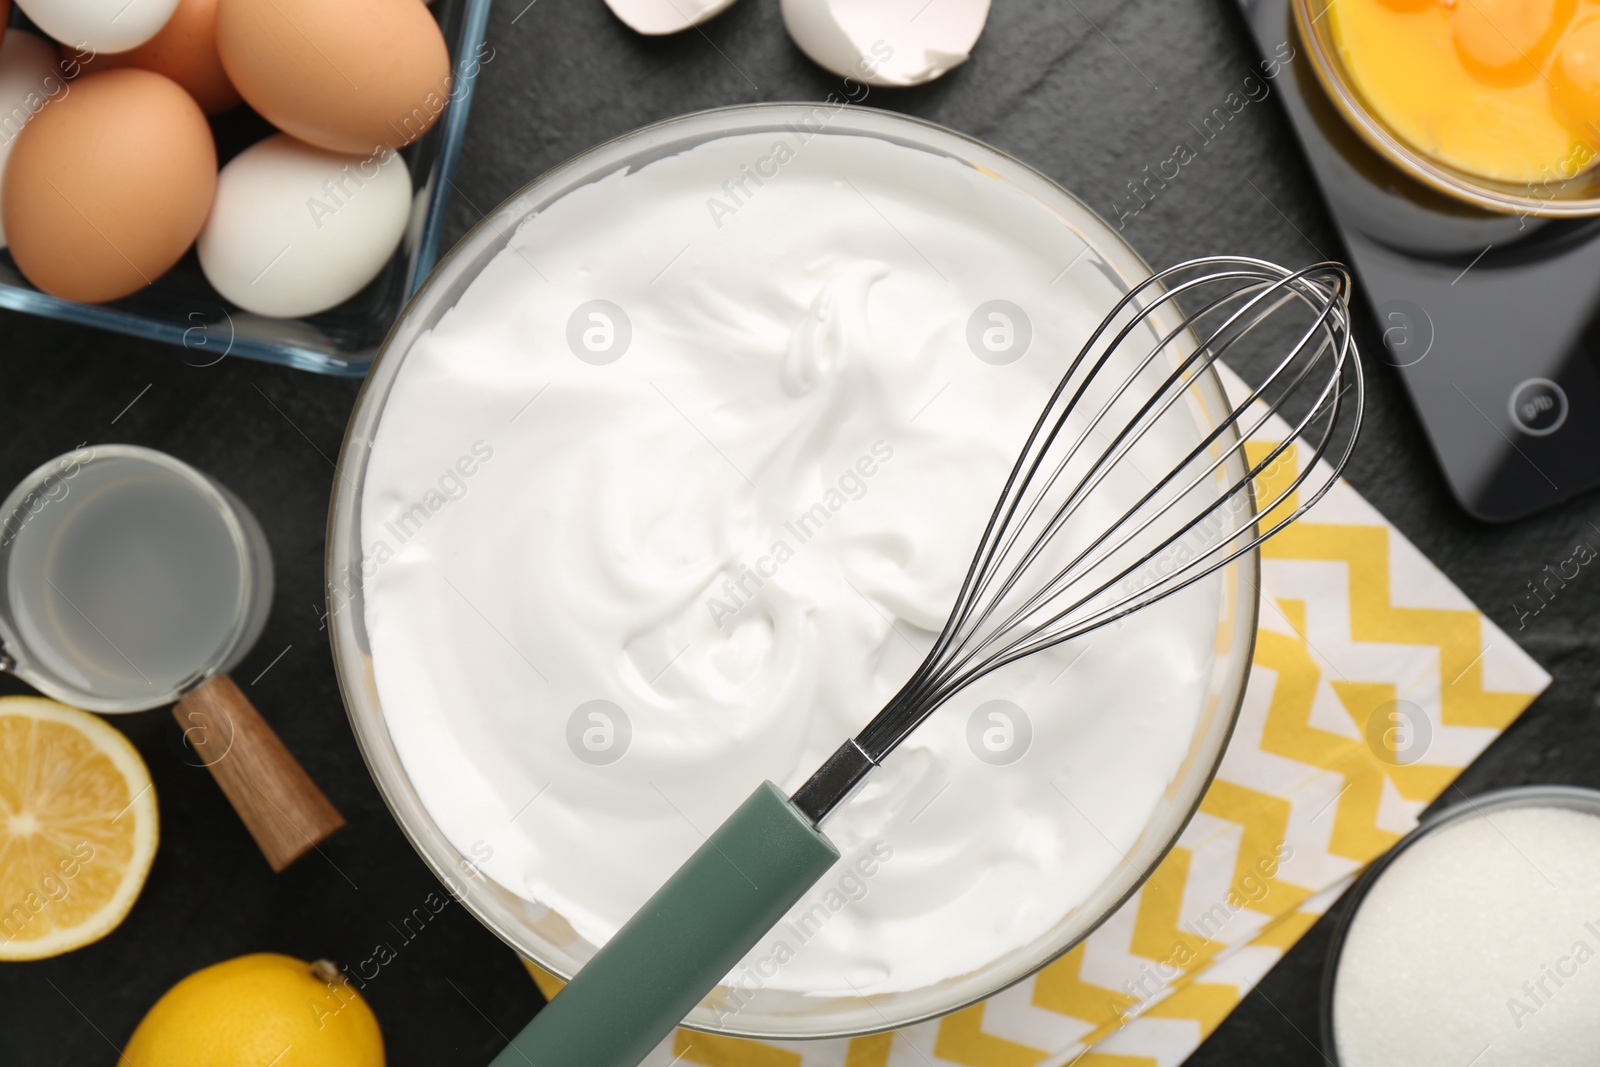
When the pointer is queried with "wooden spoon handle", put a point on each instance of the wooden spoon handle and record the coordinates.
(281, 806)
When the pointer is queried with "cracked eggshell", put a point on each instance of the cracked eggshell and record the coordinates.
(657, 17)
(296, 229)
(886, 42)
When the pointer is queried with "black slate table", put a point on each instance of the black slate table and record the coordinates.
(1089, 91)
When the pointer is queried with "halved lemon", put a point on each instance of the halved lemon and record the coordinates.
(78, 828)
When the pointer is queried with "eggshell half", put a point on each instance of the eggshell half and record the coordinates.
(886, 42)
(656, 17)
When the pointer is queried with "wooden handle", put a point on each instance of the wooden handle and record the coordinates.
(281, 806)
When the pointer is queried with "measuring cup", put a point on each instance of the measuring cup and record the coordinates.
(129, 580)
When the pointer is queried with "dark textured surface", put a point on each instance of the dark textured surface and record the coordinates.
(1089, 91)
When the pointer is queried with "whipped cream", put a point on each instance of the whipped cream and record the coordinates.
(678, 495)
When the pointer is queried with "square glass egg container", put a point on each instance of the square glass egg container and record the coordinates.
(182, 308)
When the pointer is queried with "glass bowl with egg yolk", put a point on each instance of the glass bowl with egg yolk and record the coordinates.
(1493, 102)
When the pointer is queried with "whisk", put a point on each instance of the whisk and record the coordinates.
(1084, 533)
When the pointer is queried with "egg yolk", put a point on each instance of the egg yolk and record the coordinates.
(1507, 90)
(1506, 42)
(1575, 77)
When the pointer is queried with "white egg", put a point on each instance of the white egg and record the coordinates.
(886, 42)
(656, 17)
(295, 230)
(29, 79)
(93, 26)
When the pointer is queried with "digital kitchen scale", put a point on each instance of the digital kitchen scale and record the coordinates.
(1489, 319)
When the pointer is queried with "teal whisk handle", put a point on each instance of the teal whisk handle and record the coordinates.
(685, 940)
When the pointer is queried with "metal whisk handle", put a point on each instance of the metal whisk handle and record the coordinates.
(833, 781)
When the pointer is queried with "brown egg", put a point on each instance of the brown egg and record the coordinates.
(350, 76)
(185, 50)
(108, 186)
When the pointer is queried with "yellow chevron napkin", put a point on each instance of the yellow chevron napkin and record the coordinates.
(1375, 682)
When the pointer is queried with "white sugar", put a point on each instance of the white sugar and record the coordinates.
(1479, 945)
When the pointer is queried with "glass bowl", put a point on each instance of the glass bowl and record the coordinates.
(182, 308)
(1530, 796)
(1576, 196)
(544, 936)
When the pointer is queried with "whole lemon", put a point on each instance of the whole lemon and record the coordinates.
(256, 1010)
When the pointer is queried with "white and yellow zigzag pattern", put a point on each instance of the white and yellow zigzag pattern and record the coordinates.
(1352, 617)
